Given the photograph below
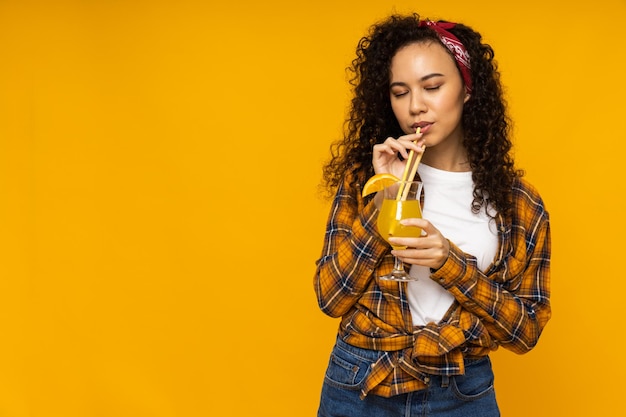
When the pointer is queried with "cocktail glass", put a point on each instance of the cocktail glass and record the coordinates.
(401, 201)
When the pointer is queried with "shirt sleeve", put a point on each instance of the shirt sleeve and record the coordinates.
(352, 249)
(512, 300)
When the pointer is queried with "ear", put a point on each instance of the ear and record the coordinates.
(467, 97)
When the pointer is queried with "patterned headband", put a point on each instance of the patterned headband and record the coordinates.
(455, 46)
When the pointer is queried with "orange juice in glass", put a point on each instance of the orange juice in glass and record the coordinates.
(401, 200)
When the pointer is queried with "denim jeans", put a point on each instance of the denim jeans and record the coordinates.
(466, 395)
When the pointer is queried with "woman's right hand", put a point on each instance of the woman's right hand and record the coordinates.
(385, 155)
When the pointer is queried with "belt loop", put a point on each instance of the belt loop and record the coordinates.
(445, 381)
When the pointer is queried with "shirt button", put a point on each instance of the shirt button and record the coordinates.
(442, 280)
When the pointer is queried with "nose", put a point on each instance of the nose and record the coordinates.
(417, 104)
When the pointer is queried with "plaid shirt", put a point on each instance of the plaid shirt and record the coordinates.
(508, 305)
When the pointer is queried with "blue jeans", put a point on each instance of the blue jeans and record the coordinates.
(466, 395)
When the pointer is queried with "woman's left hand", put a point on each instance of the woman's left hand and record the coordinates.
(431, 249)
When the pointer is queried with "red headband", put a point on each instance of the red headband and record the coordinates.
(455, 46)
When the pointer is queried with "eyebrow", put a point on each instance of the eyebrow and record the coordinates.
(424, 78)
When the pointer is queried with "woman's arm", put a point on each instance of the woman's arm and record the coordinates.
(513, 302)
(352, 250)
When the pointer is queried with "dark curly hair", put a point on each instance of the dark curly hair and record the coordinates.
(371, 119)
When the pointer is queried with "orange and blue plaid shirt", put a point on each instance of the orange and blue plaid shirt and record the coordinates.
(508, 305)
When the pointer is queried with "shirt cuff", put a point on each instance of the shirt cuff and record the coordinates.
(452, 270)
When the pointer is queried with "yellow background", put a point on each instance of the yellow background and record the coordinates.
(159, 211)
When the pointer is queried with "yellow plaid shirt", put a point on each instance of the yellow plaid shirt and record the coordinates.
(507, 306)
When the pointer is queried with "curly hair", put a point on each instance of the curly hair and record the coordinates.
(371, 119)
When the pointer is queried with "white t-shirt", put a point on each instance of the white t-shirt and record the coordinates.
(447, 205)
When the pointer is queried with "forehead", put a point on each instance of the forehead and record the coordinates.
(422, 59)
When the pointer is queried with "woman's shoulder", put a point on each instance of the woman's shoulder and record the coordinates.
(354, 179)
(526, 198)
(350, 186)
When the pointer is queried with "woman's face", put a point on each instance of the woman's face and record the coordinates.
(426, 90)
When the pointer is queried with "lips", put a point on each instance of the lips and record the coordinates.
(424, 126)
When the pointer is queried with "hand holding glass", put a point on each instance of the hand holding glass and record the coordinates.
(401, 200)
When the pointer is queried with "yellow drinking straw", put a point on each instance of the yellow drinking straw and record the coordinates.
(409, 172)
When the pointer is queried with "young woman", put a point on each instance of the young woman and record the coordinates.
(421, 348)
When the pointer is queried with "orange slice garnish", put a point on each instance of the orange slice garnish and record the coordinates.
(378, 183)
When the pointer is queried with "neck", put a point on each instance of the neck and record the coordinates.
(453, 160)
